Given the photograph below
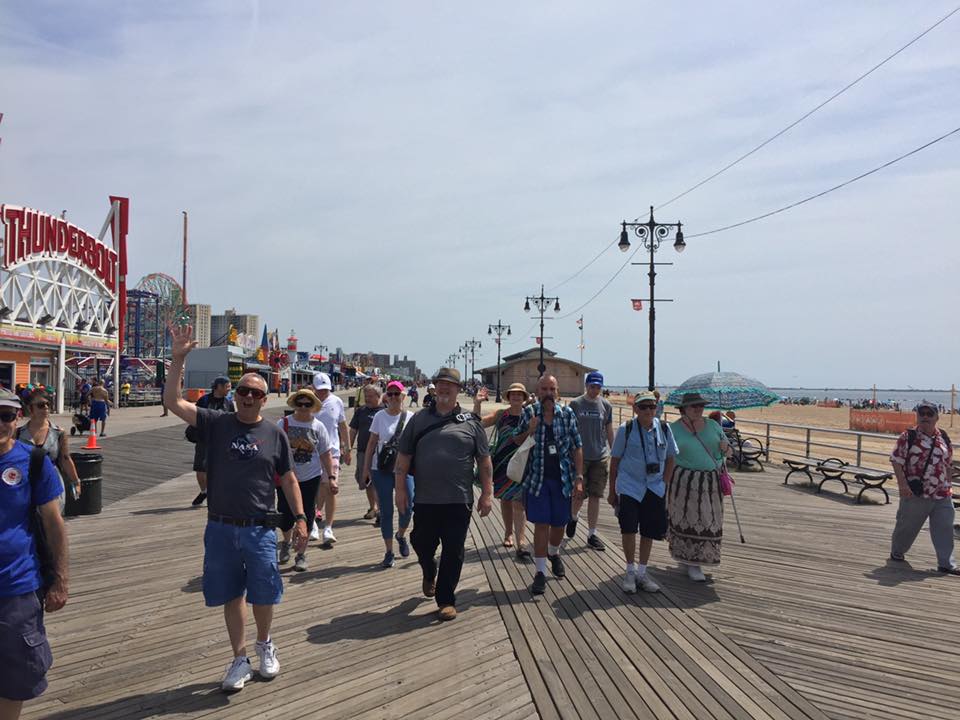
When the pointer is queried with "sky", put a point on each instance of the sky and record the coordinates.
(395, 177)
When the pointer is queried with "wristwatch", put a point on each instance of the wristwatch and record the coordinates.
(299, 517)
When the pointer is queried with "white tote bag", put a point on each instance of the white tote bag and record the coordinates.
(518, 461)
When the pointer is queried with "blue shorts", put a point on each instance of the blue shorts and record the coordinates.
(98, 410)
(238, 560)
(550, 507)
(24, 651)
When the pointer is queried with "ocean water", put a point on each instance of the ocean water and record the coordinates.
(906, 398)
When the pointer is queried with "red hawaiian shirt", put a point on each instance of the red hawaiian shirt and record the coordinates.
(936, 479)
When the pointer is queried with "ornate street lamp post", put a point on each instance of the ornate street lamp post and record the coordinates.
(499, 329)
(471, 345)
(651, 234)
(542, 302)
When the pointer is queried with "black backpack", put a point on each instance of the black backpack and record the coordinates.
(44, 555)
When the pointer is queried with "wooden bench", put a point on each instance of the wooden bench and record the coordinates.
(842, 472)
(745, 451)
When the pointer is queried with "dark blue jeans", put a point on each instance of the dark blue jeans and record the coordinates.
(384, 484)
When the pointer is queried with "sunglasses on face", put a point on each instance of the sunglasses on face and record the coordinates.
(8, 416)
(646, 407)
(926, 413)
(305, 404)
(42, 406)
(393, 394)
(244, 391)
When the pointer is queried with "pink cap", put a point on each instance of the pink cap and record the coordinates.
(396, 384)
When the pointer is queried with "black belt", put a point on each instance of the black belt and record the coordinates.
(238, 522)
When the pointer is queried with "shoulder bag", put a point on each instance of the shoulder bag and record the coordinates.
(387, 455)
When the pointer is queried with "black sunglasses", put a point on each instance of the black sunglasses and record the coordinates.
(698, 405)
(646, 407)
(304, 404)
(8, 417)
(926, 413)
(244, 390)
(393, 393)
(42, 405)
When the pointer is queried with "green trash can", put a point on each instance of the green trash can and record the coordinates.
(351, 401)
(90, 472)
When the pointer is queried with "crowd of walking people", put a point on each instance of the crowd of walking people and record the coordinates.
(423, 475)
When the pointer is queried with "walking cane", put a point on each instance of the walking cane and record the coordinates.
(737, 516)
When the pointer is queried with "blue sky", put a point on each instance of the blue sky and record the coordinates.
(395, 177)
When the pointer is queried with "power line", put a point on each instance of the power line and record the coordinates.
(827, 191)
(578, 272)
(773, 212)
(810, 112)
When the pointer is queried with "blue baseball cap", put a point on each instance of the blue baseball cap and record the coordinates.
(594, 378)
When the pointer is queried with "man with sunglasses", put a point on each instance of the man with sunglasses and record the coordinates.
(24, 651)
(921, 460)
(642, 457)
(244, 453)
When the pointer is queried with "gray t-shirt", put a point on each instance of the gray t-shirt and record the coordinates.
(241, 461)
(444, 457)
(593, 419)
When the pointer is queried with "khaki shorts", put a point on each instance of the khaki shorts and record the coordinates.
(595, 475)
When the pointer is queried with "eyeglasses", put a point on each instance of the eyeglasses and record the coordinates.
(646, 407)
(926, 413)
(393, 394)
(8, 417)
(698, 406)
(244, 390)
(305, 405)
(42, 405)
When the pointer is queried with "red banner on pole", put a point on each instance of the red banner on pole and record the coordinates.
(539, 340)
(637, 303)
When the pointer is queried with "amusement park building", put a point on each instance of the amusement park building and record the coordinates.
(62, 295)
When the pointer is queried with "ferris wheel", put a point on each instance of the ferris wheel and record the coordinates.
(171, 307)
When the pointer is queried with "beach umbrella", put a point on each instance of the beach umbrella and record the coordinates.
(725, 391)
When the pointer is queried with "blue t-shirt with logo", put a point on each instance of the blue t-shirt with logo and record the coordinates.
(241, 461)
(19, 565)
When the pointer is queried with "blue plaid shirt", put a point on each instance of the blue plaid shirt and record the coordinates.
(566, 435)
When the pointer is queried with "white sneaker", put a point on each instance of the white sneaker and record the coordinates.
(269, 664)
(328, 538)
(237, 675)
(630, 582)
(648, 585)
(315, 533)
(695, 573)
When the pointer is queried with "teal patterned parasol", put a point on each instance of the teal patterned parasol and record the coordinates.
(725, 391)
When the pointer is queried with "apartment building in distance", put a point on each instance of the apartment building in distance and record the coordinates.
(220, 325)
(200, 316)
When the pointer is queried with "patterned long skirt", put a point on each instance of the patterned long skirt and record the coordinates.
(695, 514)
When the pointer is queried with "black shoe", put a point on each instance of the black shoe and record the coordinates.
(523, 555)
(539, 586)
(949, 570)
(376, 521)
(897, 558)
(556, 566)
(572, 528)
(596, 543)
(198, 500)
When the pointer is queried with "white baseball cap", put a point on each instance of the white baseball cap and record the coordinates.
(321, 381)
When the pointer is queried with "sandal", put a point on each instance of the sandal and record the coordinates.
(508, 541)
(368, 515)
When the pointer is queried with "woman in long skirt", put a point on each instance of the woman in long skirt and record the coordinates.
(694, 497)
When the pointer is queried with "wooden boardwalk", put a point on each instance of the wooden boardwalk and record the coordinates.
(807, 620)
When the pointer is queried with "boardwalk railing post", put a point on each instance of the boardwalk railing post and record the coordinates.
(807, 452)
(859, 447)
(768, 442)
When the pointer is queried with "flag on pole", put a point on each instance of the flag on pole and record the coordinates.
(580, 323)
(539, 340)
(264, 350)
(637, 303)
(497, 340)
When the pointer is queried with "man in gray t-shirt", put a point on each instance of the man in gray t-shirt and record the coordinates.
(244, 453)
(443, 444)
(595, 421)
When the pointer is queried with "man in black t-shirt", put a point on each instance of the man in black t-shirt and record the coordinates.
(244, 452)
(359, 434)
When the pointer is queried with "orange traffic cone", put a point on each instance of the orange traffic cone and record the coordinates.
(92, 439)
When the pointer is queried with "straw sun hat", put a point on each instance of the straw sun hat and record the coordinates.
(517, 387)
(305, 393)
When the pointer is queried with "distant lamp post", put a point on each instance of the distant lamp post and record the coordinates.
(542, 302)
(651, 234)
(499, 329)
(472, 344)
